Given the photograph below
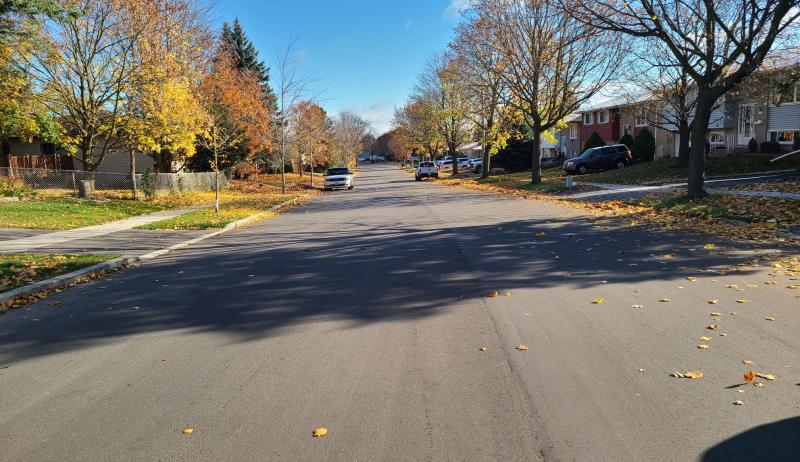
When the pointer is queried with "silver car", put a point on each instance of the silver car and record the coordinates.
(338, 178)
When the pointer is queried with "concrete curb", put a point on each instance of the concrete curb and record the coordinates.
(66, 280)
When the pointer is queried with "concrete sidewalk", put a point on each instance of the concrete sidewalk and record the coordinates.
(64, 240)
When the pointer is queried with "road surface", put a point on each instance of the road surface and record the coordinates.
(365, 312)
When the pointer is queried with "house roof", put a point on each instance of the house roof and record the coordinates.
(574, 117)
(612, 102)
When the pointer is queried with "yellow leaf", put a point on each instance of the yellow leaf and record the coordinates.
(482, 348)
(704, 338)
(688, 375)
(541, 234)
(664, 300)
(710, 246)
(691, 278)
(188, 431)
(747, 361)
(703, 346)
(712, 326)
(713, 302)
(319, 432)
(738, 403)
(741, 301)
(716, 315)
(598, 301)
(767, 376)
(522, 347)
(493, 293)
(758, 384)
(637, 306)
(769, 318)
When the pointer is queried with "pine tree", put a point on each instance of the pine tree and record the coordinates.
(594, 141)
(245, 56)
(644, 147)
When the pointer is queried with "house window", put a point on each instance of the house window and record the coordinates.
(786, 94)
(745, 123)
(641, 117)
(588, 118)
(573, 131)
(602, 117)
(783, 137)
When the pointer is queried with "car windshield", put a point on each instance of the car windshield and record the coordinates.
(589, 152)
(338, 171)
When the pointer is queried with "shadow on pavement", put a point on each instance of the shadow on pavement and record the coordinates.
(775, 442)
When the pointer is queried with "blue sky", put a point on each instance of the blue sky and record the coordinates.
(365, 54)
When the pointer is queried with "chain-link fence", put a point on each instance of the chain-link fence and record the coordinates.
(69, 181)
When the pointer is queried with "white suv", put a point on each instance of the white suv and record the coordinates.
(338, 178)
(426, 170)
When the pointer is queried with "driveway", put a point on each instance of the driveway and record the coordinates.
(366, 312)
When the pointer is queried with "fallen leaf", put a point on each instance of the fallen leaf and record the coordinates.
(738, 403)
(704, 338)
(664, 300)
(319, 432)
(710, 246)
(522, 347)
(688, 375)
(493, 293)
(712, 326)
(507, 294)
(541, 234)
(758, 384)
(741, 301)
(747, 361)
(716, 315)
(642, 371)
(713, 302)
(482, 348)
(767, 376)
(691, 278)
(749, 376)
(188, 431)
(637, 306)
(598, 301)
(703, 346)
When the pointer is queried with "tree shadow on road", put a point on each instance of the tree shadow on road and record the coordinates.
(263, 282)
(775, 442)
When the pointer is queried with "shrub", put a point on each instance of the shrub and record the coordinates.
(149, 184)
(752, 146)
(15, 187)
(594, 141)
(627, 140)
(796, 144)
(644, 147)
(771, 147)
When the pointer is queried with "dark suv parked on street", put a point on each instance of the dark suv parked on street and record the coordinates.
(602, 158)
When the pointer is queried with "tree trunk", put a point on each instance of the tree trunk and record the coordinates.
(133, 173)
(486, 160)
(454, 155)
(536, 161)
(697, 157)
(683, 150)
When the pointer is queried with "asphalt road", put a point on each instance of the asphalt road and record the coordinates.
(364, 312)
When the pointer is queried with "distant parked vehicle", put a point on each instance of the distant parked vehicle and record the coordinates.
(426, 170)
(476, 165)
(445, 162)
(338, 178)
(463, 162)
(601, 158)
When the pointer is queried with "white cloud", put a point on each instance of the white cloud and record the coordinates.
(379, 116)
(456, 7)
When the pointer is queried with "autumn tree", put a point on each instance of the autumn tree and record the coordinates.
(16, 13)
(245, 56)
(85, 68)
(441, 86)
(718, 44)
(310, 136)
(347, 138)
(486, 89)
(164, 113)
(416, 121)
(236, 112)
(550, 62)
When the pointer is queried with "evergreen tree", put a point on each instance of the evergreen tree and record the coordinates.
(644, 148)
(245, 56)
(796, 144)
(594, 141)
(627, 140)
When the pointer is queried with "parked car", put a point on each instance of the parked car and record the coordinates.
(426, 170)
(444, 162)
(601, 158)
(463, 162)
(476, 165)
(338, 178)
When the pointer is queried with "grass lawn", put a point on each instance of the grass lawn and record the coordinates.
(23, 269)
(553, 183)
(665, 170)
(61, 214)
(234, 205)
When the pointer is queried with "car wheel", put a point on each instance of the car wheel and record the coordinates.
(582, 169)
(416, 178)
(349, 188)
(620, 164)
